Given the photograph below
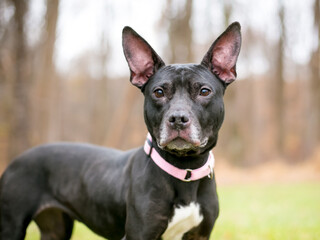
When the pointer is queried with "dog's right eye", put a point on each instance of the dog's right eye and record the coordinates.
(205, 92)
(159, 93)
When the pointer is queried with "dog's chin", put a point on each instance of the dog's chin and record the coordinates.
(181, 147)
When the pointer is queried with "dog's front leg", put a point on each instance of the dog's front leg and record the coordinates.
(148, 220)
(203, 231)
(208, 200)
(147, 215)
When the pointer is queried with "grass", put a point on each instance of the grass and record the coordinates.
(270, 212)
(254, 212)
(80, 232)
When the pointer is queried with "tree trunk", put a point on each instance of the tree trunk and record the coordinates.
(120, 117)
(313, 119)
(48, 113)
(180, 34)
(278, 88)
(20, 114)
(227, 10)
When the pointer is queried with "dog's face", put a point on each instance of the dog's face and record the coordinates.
(183, 106)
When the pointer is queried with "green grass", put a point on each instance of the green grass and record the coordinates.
(80, 232)
(270, 212)
(254, 212)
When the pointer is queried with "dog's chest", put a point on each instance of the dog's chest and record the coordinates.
(184, 219)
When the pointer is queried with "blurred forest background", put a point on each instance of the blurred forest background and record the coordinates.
(53, 88)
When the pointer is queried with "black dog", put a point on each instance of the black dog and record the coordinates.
(136, 194)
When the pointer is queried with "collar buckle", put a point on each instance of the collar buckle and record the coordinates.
(210, 175)
(188, 175)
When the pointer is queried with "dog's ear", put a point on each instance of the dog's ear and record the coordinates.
(143, 61)
(222, 56)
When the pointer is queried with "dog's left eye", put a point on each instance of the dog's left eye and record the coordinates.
(205, 92)
(159, 93)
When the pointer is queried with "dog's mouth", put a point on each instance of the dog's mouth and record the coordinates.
(182, 146)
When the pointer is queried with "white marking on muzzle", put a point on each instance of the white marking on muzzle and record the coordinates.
(166, 132)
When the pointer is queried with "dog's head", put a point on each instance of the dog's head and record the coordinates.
(183, 102)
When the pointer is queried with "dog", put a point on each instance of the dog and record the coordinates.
(142, 193)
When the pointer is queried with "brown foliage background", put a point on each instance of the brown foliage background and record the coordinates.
(274, 114)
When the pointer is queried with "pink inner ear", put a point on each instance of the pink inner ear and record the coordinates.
(140, 61)
(141, 71)
(223, 62)
(224, 55)
(226, 76)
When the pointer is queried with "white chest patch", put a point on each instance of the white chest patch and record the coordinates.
(184, 218)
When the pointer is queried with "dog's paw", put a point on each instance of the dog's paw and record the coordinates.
(193, 235)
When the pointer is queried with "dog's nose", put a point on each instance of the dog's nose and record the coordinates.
(179, 121)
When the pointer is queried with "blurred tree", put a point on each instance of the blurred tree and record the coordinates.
(47, 114)
(236, 152)
(314, 118)
(99, 102)
(6, 78)
(278, 84)
(20, 107)
(311, 129)
(121, 113)
(227, 10)
(180, 31)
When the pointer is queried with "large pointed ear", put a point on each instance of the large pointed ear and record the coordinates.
(222, 56)
(143, 61)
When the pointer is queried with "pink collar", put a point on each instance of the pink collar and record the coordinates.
(186, 175)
